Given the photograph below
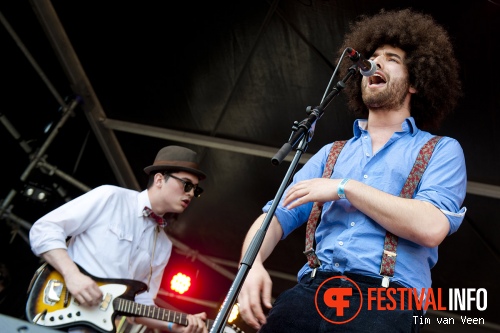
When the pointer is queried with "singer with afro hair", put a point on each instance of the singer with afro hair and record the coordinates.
(376, 205)
(431, 64)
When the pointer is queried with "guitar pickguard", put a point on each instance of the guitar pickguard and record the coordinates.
(55, 313)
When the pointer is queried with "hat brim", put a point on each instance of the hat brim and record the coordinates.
(155, 168)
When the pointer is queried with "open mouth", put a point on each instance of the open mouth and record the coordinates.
(376, 79)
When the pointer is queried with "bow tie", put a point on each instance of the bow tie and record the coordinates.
(149, 213)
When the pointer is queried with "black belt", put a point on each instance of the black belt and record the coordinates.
(374, 281)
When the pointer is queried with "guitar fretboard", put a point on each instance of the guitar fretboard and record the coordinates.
(132, 308)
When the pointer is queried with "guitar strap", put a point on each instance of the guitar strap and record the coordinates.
(388, 263)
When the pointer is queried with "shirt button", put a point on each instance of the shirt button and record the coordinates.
(341, 243)
(365, 137)
(353, 224)
(337, 264)
(365, 176)
(367, 154)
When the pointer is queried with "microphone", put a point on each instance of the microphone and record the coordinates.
(366, 67)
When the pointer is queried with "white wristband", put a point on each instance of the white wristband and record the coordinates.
(340, 188)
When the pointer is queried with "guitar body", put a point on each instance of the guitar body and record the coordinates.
(49, 303)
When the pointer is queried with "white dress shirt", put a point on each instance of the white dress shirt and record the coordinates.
(110, 237)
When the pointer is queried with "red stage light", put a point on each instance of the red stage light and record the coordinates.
(180, 283)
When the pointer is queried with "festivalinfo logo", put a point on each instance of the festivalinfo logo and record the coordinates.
(340, 305)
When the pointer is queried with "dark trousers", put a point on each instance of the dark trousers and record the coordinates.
(302, 309)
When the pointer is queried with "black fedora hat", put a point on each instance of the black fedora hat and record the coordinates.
(176, 158)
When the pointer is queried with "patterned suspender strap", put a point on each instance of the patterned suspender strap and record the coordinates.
(317, 207)
(388, 264)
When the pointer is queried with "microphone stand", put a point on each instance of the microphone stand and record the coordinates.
(299, 138)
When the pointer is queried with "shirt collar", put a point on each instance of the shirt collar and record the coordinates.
(142, 201)
(408, 125)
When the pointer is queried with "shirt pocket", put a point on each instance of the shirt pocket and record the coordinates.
(117, 249)
(120, 233)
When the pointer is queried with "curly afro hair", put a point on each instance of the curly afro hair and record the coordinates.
(432, 67)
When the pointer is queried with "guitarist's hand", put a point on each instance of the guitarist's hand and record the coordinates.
(80, 286)
(196, 324)
(84, 289)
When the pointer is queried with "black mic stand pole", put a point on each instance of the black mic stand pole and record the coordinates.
(297, 137)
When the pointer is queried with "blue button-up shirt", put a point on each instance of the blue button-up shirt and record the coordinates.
(348, 240)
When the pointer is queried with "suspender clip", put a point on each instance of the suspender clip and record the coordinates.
(312, 258)
(390, 253)
(309, 252)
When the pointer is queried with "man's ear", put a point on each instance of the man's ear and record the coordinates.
(158, 178)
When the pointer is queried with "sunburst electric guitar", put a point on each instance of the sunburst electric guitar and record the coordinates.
(50, 304)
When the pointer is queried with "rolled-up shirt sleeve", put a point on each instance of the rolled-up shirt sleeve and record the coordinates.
(52, 230)
(444, 182)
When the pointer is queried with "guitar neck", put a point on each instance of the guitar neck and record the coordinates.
(139, 310)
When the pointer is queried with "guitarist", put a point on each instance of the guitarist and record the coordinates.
(112, 235)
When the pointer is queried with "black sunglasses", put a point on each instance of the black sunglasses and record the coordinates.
(188, 186)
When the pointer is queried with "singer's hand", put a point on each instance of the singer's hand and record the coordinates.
(255, 293)
(312, 190)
